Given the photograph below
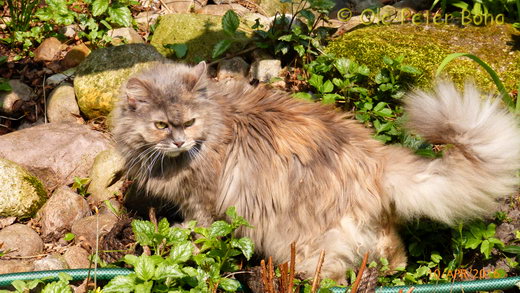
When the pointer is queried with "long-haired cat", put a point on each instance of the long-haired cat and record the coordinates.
(299, 171)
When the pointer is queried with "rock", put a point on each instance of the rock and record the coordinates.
(106, 165)
(55, 152)
(220, 10)
(124, 35)
(232, 68)
(89, 228)
(61, 210)
(48, 50)
(146, 19)
(27, 124)
(20, 240)
(416, 5)
(68, 31)
(76, 55)
(62, 104)
(114, 208)
(58, 78)
(100, 76)
(10, 102)
(50, 262)
(199, 32)
(21, 194)
(271, 7)
(250, 20)
(184, 6)
(15, 266)
(77, 257)
(425, 46)
(264, 70)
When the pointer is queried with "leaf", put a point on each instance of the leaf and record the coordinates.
(120, 15)
(309, 16)
(57, 287)
(410, 69)
(120, 284)
(316, 81)
(473, 243)
(303, 95)
(181, 252)
(179, 49)
(300, 50)
(490, 231)
(165, 270)
(229, 284)
(69, 237)
(329, 98)
(485, 248)
(327, 87)
(145, 287)
(144, 268)
(144, 231)
(245, 245)
(5, 86)
(286, 38)
(99, 7)
(220, 229)
(131, 259)
(3, 59)
(230, 22)
(220, 48)
(388, 61)
(515, 249)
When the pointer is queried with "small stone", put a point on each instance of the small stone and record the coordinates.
(61, 210)
(15, 266)
(124, 35)
(232, 68)
(20, 240)
(264, 70)
(220, 10)
(76, 55)
(62, 104)
(47, 50)
(184, 6)
(106, 165)
(94, 226)
(77, 257)
(50, 262)
(11, 102)
(58, 78)
(69, 30)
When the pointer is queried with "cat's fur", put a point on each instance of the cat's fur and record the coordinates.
(299, 171)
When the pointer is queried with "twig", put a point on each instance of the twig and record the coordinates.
(360, 274)
(271, 274)
(97, 247)
(13, 119)
(44, 100)
(292, 267)
(284, 277)
(315, 282)
(165, 6)
(263, 273)
(233, 55)
(153, 218)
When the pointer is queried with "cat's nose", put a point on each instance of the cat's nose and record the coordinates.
(178, 143)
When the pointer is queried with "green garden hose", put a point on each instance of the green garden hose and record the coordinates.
(106, 274)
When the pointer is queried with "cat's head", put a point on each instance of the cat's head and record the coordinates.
(165, 109)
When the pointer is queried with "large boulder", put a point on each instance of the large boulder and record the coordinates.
(425, 46)
(100, 76)
(54, 152)
(21, 194)
(199, 32)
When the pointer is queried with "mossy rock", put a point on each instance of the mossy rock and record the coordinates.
(426, 46)
(100, 76)
(21, 194)
(199, 32)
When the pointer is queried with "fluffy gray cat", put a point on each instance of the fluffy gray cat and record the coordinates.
(299, 171)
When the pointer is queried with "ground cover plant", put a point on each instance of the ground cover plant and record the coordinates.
(206, 259)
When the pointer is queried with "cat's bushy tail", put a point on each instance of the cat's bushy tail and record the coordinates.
(480, 162)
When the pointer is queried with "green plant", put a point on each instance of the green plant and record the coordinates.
(80, 185)
(230, 23)
(69, 236)
(4, 83)
(21, 12)
(297, 34)
(480, 235)
(182, 261)
(180, 50)
(62, 285)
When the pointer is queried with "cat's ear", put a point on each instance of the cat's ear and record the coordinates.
(198, 78)
(137, 92)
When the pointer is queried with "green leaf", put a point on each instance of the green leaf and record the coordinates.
(515, 249)
(303, 95)
(99, 7)
(327, 87)
(181, 252)
(220, 229)
(69, 237)
(410, 69)
(145, 268)
(485, 248)
(473, 243)
(286, 38)
(245, 245)
(229, 284)
(329, 98)
(179, 49)
(120, 284)
(5, 86)
(300, 50)
(230, 22)
(436, 257)
(120, 15)
(3, 59)
(316, 81)
(220, 48)
(309, 16)
(388, 61)
(57, 287)
(131, 259)
(145, 287)
(144, 232)
(490, 231)
(165, 270)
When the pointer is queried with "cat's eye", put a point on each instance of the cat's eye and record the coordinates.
(160, 125)
(189, 123)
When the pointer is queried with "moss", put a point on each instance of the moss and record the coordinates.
(40, 190)
(199, 32)
(426, 46)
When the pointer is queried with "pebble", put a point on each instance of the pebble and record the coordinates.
(20, 240)
(62, 105)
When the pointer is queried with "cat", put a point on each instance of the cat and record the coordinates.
(301, 172)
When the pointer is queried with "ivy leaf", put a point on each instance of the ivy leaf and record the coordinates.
(120, 15)
(120, 284)
(181, 252)
(230, 22)
(229, 284)
(245, 245)
(220, 48)
(144, 268)
(99, 7)
(220, 229)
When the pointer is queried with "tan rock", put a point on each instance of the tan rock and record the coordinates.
(220, 10)
(106, 165)
(76, 257)
(20, 240)
(62, 105)
(48, 50)
(93, 227)
(11, 102)
(124, 35)
(76, 55)
(15, 266)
